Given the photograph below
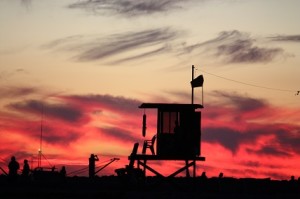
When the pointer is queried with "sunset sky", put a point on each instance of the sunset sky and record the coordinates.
(81, 68)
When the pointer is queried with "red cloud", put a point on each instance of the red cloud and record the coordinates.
(239, 133)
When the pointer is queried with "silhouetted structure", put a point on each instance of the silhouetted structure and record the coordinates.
(178, 135)
(129, 173)
(92, 165)
(45, 174)
(176, 128)
(149, 144)
(153, 187)
(184, 144)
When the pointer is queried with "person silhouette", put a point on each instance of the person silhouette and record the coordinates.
(63, 172)
(203, 176)
(92, 165)
(13, 168)
(221, 175)
(26, 169)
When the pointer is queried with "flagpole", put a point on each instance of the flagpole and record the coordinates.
(192, 86)
(202, 97)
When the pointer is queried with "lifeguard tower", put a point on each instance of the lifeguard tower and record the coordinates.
(178, 135)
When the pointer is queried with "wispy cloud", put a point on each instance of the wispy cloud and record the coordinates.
(129, 7)
(26, 3)
(235, 47)
(60, 136)
(4, 74)
(286, 38)
(229, 47)
(12, 92)
(152, 53)
(242, 103)
(108, 102)
(149, 42)
(270, 151)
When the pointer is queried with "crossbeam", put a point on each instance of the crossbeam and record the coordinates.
(186, 167)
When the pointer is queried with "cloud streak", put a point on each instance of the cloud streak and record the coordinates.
(235, 47)
(129, 8)
(119, 134)
(63, 112)
(108, 102)
(286, 38)
(149, 42)
(230, 47)
(12, 92)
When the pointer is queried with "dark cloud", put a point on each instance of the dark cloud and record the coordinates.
(143, 55)
(242, 103)
(129, 7)
(270, 151)
(60, 136)
(258, 163)
(20, 155)
(119, 134)
(245, 52)
(284, 144)
(12, 92)
(99, 48)
(289, 138)
(235, 47)
(254, 164)
(238, 123)
(115, 103)
(287, 38)
(228, 138)
(59, 111)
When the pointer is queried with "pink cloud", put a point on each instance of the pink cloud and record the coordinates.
(239, 133)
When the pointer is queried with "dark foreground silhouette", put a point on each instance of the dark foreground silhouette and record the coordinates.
(149, 187)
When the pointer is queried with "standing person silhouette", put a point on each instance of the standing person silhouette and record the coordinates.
(92, 165)
(26, 169)
(13, 168)
(63, 172)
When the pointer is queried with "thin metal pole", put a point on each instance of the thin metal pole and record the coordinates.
(41, 139)
(192, 86)
(202, 97)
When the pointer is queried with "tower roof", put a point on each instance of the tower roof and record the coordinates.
(174, 106)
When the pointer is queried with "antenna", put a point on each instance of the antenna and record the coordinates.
(196, 82)
(193, 67)
(41, 139)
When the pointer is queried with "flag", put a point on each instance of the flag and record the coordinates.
(198, 81)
